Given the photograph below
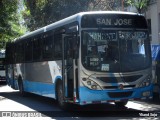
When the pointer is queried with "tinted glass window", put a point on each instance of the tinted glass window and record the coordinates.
(37, 46)
(48, 47)
(58, 46)
(28, 51)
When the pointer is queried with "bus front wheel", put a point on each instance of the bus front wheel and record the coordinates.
(60, 96)
(121, 103)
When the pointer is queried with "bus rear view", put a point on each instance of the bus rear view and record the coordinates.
(115, 58)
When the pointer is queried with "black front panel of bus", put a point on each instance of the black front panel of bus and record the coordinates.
(113, 20)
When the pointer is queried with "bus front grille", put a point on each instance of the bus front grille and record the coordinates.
(120, 94)
(116, 79)
(117, 87)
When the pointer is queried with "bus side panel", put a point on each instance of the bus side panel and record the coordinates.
(40, 88)
(37, 72)
(40, 77)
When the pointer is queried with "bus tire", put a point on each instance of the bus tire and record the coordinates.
(21, 88)
(121, 103)
(60, 96)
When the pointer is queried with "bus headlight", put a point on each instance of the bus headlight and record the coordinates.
(146, 82)
(91, 84)
(94, 87)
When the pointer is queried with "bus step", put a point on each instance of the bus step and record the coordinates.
(69, 99)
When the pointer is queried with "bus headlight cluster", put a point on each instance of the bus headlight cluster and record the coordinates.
(146, 82)
(91, 84)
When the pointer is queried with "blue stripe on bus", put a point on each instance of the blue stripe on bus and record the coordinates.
(102, 95)
(44, 89)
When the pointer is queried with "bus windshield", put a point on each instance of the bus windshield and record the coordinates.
(115, 50)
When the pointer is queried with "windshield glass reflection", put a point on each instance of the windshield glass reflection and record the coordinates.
(115, 51)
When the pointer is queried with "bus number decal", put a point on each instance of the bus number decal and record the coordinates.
(105, 67)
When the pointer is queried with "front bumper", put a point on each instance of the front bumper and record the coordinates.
(88, 96)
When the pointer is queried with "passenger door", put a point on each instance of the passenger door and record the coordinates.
(69, 82)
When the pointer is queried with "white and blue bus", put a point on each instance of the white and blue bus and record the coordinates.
(87, 58)
(2, 66)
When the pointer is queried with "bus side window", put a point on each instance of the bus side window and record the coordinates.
(7, 55)
(15, 53)
(47, 47)
(37, 54)
(57, 46)
(28, 51)
(10, 53)
(20, 52)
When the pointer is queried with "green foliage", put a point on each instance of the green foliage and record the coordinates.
(140, 5)
(39, 13)
(10, 27)
(44, 12)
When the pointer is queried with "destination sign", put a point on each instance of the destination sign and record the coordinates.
(113, 20)
(101, 36)
(132, 35)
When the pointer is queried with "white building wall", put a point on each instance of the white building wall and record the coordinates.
(154, 24)
(131, 9)
(158, 4)
(152, 13)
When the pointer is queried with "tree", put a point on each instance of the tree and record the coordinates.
(10, 27)
(140, 5)
(43, 12)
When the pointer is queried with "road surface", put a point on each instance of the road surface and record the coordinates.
(12, 104)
